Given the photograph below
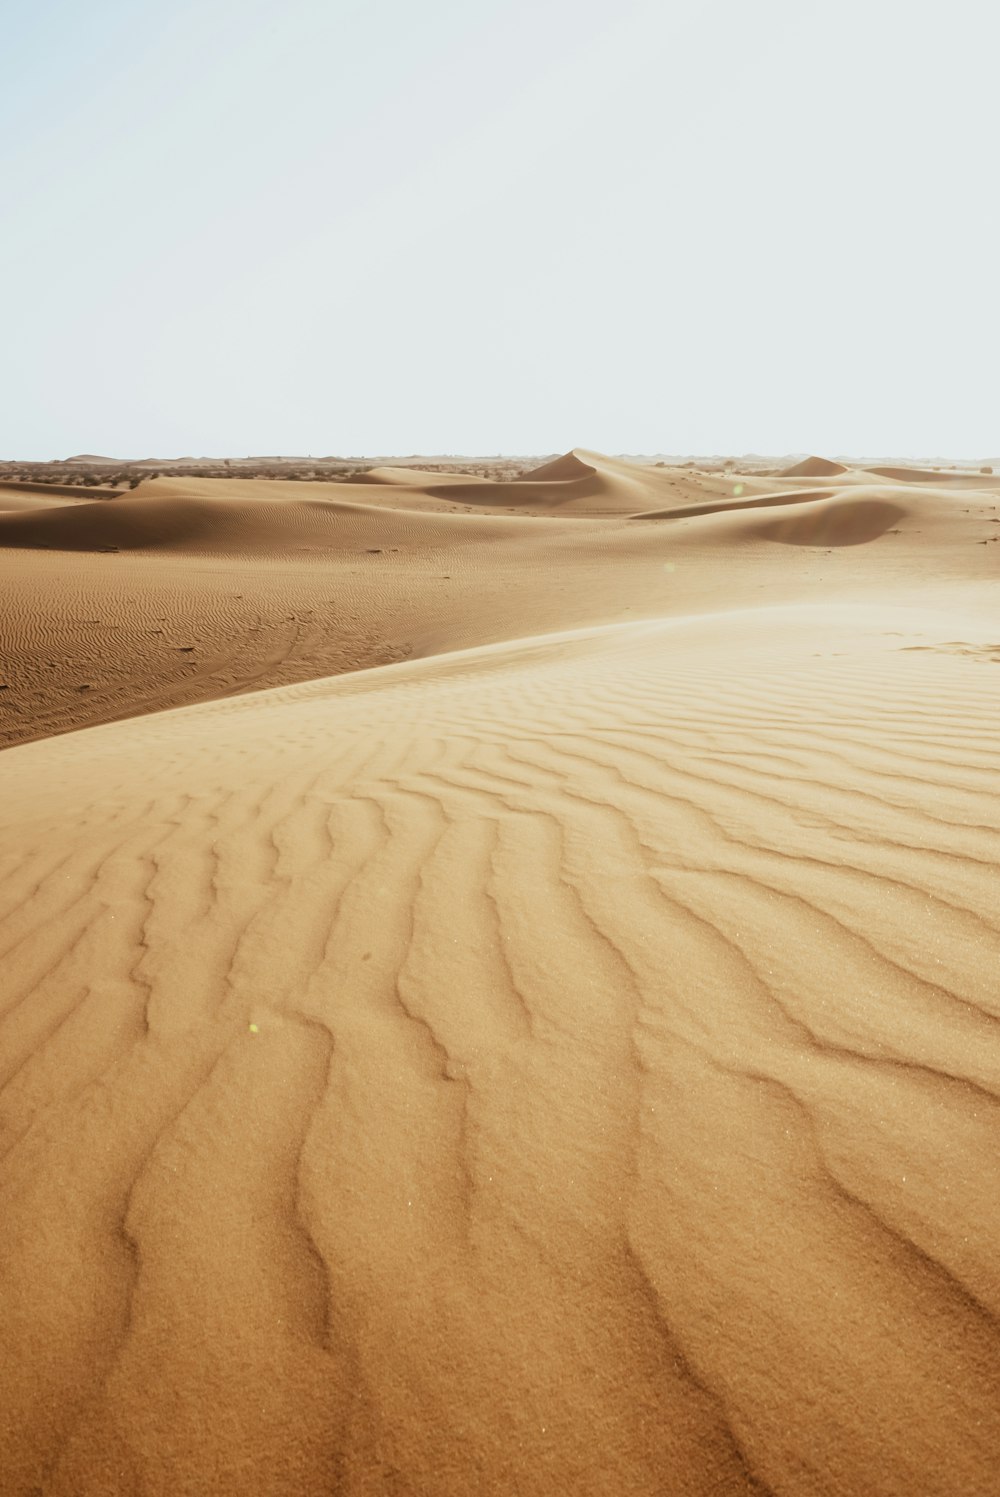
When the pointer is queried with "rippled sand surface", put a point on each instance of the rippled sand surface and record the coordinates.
(544, 1041)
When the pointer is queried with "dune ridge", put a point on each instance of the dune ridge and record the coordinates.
(561, 1060)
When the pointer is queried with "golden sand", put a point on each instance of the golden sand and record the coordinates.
(530, 1026)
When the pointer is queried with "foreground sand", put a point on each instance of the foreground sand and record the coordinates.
(562, 1064)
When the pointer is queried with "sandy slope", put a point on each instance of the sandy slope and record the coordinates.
(180, 591)
(186, 590)
(566, 1063)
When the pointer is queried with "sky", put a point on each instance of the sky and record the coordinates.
(367, 227)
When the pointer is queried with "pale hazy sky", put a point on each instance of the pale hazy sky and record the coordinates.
(387, 226)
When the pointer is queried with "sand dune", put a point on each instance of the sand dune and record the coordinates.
(12, 494)
(184, 590)
(414, 478)
(26, 498)
(728, 505)
(935, 476)
(815, 467)
(850, 519)
(563, 1063)
(236, 522)
(570, 466)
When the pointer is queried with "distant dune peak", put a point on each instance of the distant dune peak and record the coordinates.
(577, 463)
(814, 467)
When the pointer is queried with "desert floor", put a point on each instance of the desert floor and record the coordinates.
(499, 986)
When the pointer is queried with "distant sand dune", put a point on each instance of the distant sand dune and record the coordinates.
(849, 519)
(935, 476)
(213, 526)
(731, 506)
(20, 498)
(815, 467)
(415, 478)
(565, 1063)
(568, 468)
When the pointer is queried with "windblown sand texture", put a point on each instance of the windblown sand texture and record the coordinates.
(531, 1025)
